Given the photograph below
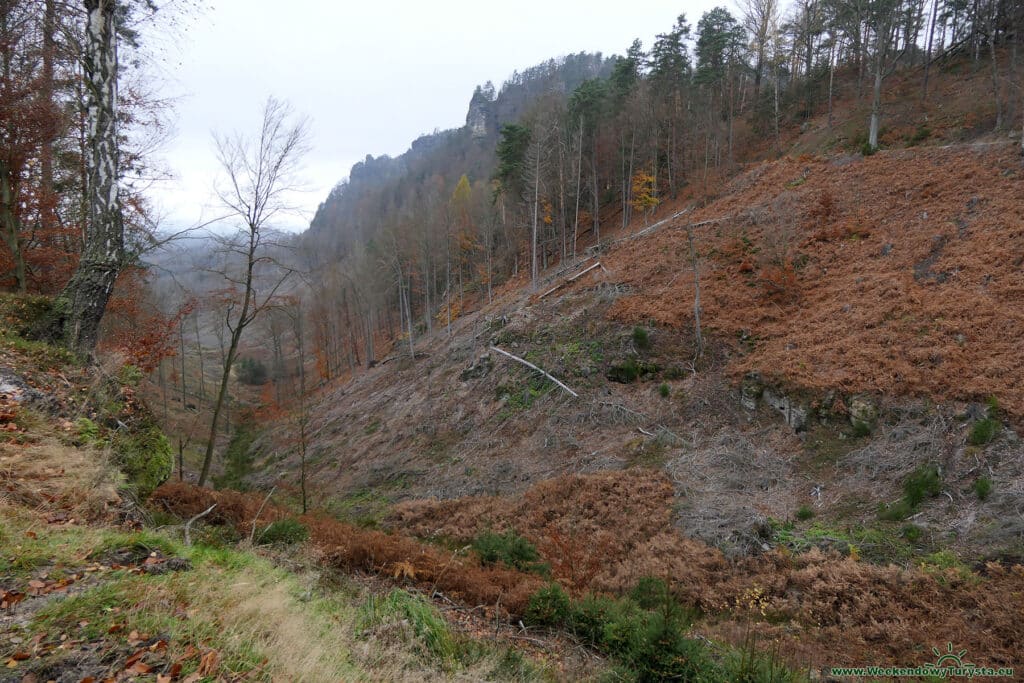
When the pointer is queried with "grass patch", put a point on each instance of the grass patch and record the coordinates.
(876, 545)
(283, 532)
(944, 564)
(366, 508)
(521, 398)
(400, 609)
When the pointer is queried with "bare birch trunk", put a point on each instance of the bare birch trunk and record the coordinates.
(85, 297)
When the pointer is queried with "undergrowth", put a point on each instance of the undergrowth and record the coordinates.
(510, 549)
(924, 482)
(646, 635)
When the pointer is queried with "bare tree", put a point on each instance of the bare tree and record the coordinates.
(759, 18)
(260, 174)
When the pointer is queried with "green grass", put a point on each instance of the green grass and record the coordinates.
(880, 545)
(428, 628)
(41, 353)
(366, 508)
(283, 532)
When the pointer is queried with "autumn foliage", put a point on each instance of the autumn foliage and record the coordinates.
(353, 549)
(894, 273)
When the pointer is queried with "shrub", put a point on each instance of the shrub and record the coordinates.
(630, 370)
(130, 375)
(509, 548)
(922, 133)
(237, 459)
(651, 593)
(145, 457)
(982, 487)
(589, 616)
(922, 482)
(983, 431)
(912, 533)
(664, 390)
(25, 314)
(251, 371)
(804, 513)
(860, 429)
(286, 531)
(88, 432)
(549, 606)
(895, 512)
(641, 338)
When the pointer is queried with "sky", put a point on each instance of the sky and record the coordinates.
(370, 76)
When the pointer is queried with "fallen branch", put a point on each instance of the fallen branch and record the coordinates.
(649, 229)
(252, 532)
(624, 409)
(188, 524)
(563, 283)
(534, 367)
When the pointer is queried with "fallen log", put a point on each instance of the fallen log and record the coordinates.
(534, 367)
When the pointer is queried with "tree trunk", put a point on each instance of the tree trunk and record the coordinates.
(876, 97)
(995, 67)
(199, 353)
(536, 207)
(698, 335)
(85, 297)
(48, 199)
(10, 225)
(229, 357)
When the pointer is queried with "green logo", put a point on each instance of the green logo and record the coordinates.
(950, 659)
(947, 664)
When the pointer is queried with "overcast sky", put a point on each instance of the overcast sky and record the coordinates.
(371, 76)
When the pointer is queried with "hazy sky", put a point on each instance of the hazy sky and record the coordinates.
(371, 76)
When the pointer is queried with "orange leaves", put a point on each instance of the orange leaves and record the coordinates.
(403, 570)
(779, 283)
(645, 191)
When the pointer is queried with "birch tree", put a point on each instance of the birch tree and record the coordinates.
(85, 297)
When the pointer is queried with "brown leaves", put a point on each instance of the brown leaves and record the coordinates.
(8, 599)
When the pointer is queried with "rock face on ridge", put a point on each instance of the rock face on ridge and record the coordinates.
(480, 117)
